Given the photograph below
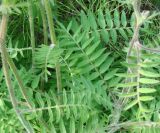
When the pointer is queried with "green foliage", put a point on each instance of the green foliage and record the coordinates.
(46, 57)
(80, 56)
(92, 37)
(145, 78)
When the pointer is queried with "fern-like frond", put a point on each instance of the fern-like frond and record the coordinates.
(143, 80)
(46, 57)
(85, 55)
(76, 112)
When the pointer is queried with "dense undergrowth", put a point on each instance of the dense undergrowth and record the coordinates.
(79, 66)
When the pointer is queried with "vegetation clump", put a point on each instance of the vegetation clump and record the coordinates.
(79, 66)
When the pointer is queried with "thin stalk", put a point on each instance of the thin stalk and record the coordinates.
(129, 125)
(50, 21)
(52, 107)
(20, 83)
(45, 31)
(3, 30)
(53, 40)
(31, 23)
(153, 50)
(45, 34)
(121, 102)
(138, 52)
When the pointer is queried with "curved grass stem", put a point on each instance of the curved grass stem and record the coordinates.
(20, 83)
(3, 30)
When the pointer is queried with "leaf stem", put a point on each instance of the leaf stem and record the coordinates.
(53, 40)
(3, 30)
(31, 23)
(20, 83)
(43, 15)
(121, 102)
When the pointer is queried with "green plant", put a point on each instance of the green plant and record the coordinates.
(93, 66)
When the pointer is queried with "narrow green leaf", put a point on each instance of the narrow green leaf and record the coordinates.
(77, 33)
(100, 60)
(2, 105)
(131, 104)
(114, 81)
(49, 110)
(105, 36)
(58, 114)
(74, 109)
(68, 112)
(132, 20)
(110, 74)
(146, 90)
(40, 102)
(132, 94)
(148, 81)
(128, 84)
(116, 18)
(125, 75)
(53, 130)
(72, 125)
(69, 26)
(101, 19)
(83, 63)
(123, 33)
(72, 99)
(86, 43)
(123, 19)
(105, 66)
(17, 10)
(91, 49)
(109, 19)
(97, 54)
(64, 97)
(113, 34)
(62, 127)
(149, 74)
(92, 20)
(131, 65)
(35, 82)
(149, 64)
(84, 21)
(96, 35)
(146, 98)
(93, 75)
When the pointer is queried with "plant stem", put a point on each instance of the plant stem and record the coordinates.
(31, 23)
(43, 15)
(20, 83)
(50, 21)
(3, 30)
(45, 33)
(121, 102)
(133, 125)
(53, 40)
